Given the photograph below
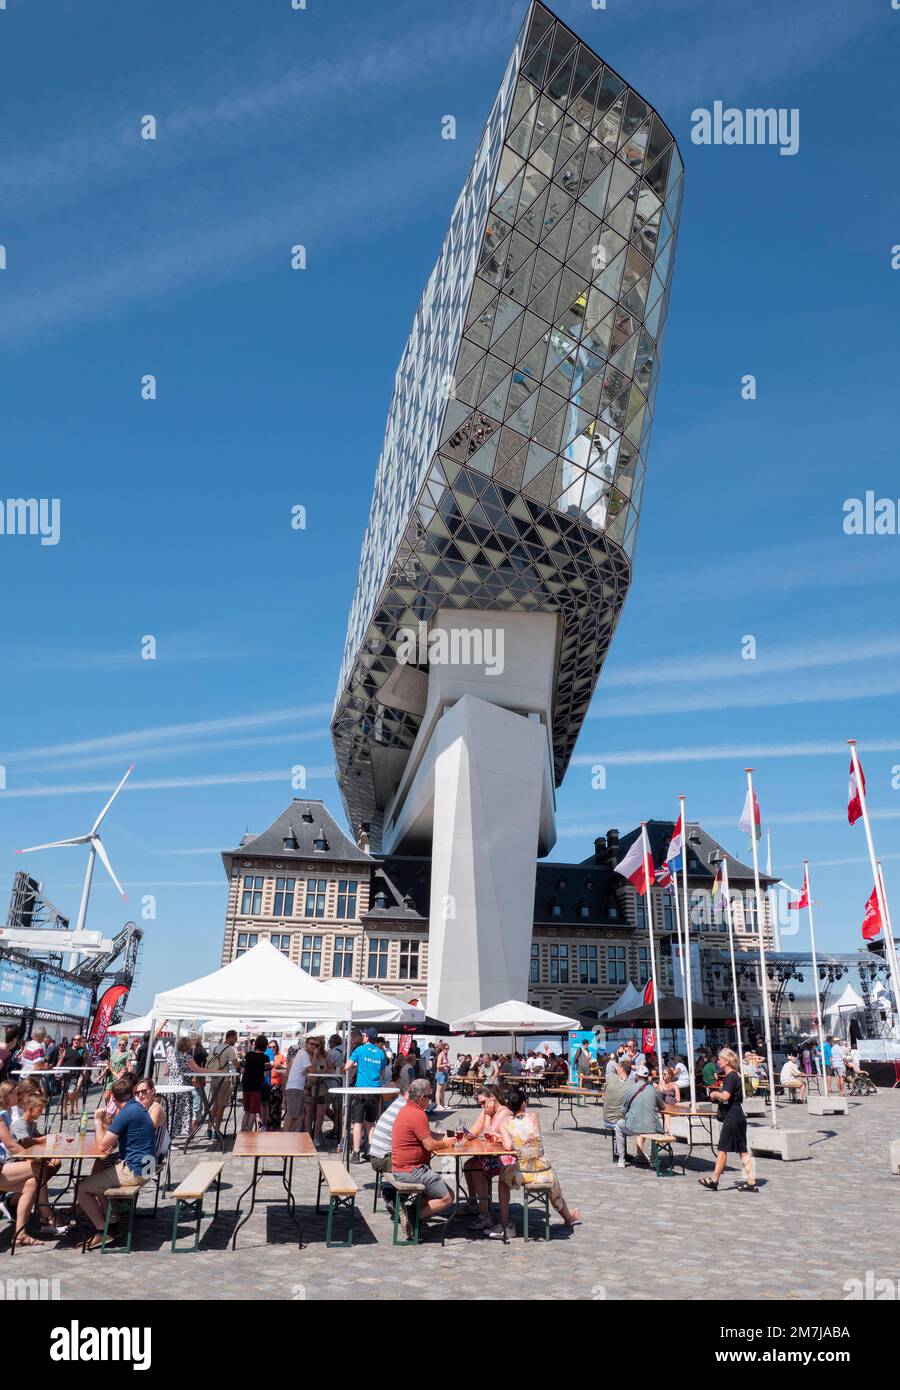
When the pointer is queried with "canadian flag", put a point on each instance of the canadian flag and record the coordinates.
(634, 868)
(803, 900)
(872, 921)
(854, 800)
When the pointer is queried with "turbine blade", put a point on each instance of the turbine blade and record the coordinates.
(56, 844)
(104, 857)
(96, 824)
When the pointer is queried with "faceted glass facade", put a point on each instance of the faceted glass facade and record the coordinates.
(513, 463)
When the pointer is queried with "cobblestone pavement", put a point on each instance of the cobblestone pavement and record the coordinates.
(815, 1225)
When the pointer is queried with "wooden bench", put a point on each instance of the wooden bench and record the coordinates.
(657, 1143)
(191, 1193)
(113, 1195)
(342, 1192)
(535, 1194)
(407, 1193)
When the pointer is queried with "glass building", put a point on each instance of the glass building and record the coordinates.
(514, 457)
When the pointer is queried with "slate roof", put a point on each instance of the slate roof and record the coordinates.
(303, 823)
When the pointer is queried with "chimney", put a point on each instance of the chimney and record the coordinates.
(600, 850)
(612, 839)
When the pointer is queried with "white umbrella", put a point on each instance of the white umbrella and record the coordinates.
(513, 1016)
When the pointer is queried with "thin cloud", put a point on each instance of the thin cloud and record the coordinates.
(742, 697)
(224, 779)
(133, 738)
(727, 752)
(805, 656)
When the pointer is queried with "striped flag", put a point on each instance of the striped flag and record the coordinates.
(750, 821)
(632, 866)
(718, 894)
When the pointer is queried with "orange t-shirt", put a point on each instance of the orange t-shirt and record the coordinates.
(407, 1150)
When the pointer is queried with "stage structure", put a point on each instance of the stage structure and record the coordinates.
(502, 529)
(51, 974)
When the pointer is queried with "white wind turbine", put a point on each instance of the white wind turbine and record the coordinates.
(97, 850)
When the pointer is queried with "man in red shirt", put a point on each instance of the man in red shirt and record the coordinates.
(413, 1142)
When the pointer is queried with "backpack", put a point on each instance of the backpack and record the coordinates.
(214, 1060)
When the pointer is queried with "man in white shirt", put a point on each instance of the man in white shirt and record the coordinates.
(682, 1078)
(792, 1077)
(294, 1088)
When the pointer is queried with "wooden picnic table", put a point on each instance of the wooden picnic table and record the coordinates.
(462, 1149)
(76, 1150)
(571, 1094)
(703, 1115)
(260, 1145)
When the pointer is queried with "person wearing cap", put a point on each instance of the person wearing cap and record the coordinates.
(366, 1064)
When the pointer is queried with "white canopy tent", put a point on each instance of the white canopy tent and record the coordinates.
(212, 1026)
(263, 984)
(630, 998)
(133, 1027)
(368, 1004)
(514, 1017)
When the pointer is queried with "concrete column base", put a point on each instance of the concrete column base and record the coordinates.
(754, 1105)
(895, 1155)
(786, 1144)
(827, 1105)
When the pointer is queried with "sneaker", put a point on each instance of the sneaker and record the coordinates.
(497, 1232)
(620, 1163)
(356, 1156)
(51, 1230)
(482, 1223)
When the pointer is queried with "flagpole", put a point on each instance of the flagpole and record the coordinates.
(764, 978)
(890, 949)
(815, 966)
(879, 883)
(776, 925)
(648, 881)
(734, 985)
(680, 939)
(689, 998)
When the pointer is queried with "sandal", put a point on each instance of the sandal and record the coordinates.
(708, 1182)
(95, 1242)
(22, 1238)
(748, 1187)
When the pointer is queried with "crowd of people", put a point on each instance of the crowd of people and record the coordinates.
(394, 1094)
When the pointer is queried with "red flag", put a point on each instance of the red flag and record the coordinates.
(648, 1041)
(872, 921)
(632, 866)
(648, 992)
(803, 900)
(854, 801)
(103, 1016)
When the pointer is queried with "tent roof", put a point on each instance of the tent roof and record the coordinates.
(262, 983)
(848, 1000)
(369, 1004)
(630, 998)
(514, 1016)
(132, 1026)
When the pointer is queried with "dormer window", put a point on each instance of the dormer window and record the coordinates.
(289, 842)
(320, 844)
(381, 901)
(582, 909)
(307, 816)
(555, 909)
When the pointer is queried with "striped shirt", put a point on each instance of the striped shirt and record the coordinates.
(380, 1138)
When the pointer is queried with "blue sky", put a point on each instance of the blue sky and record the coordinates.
(172, 257)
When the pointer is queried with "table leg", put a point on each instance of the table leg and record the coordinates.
(250, 1188)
